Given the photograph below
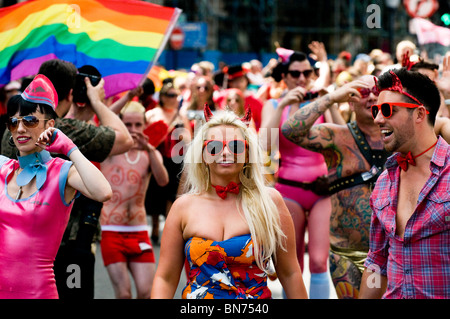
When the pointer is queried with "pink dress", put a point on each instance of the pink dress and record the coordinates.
(31, 230)
(301, 165)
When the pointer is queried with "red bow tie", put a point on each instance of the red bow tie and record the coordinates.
(403, 161)
(232, 187)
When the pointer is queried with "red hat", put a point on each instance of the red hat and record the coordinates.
(234, 71)
(41, 90)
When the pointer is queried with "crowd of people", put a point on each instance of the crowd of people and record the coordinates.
(250, 165)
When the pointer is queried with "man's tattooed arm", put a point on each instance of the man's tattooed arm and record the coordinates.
(298, 126)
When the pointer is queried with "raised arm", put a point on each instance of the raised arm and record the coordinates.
(117, 106)
(319, 53)
(443, 83)
(83, 176)
(300, 128)
(123, 141)
(157, 167)
(88, 179)
(442, 127)
(271, 115)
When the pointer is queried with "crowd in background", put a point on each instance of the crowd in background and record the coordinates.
(174, 101)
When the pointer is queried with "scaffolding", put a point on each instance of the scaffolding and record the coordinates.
(255, 25)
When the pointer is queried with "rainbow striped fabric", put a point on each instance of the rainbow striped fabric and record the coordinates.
(122, 39)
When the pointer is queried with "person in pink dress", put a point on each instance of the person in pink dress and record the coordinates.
(301, 172)
(38, 193)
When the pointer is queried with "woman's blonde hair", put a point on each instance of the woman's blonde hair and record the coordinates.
(259, 210)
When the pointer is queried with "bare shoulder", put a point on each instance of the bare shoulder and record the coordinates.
(184, 203)
(276, 198)
(274, 194)
(279, 203)
(179, 212)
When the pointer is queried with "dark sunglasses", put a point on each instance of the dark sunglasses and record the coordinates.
(296, 74)
(29, 121)
(171, 95)
(215, 147)
(386, 108)
(365, 92)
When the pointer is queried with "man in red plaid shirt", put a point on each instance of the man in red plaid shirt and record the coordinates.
(409, 254)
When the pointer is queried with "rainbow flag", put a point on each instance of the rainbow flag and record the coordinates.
(122, 39)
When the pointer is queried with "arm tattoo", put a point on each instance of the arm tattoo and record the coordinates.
(297, 127)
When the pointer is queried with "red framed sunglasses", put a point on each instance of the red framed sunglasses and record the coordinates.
(30, 121)
(365, 92)
(386, 108)
(215, 147)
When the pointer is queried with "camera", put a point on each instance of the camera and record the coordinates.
(310, 96)
(80, 90)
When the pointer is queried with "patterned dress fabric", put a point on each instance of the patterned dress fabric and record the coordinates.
(224, 270)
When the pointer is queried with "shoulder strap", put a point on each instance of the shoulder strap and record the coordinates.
(373, 157)
(361, 141)
(376, 158)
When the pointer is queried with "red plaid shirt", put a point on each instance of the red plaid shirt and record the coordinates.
(417, 265)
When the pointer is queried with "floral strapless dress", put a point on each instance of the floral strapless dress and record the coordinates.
(224, 270)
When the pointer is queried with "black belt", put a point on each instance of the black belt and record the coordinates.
(319, 186)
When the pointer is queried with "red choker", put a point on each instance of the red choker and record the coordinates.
(403, 161)
(221, 191)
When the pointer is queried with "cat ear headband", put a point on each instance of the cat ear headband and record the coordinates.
(245, 119)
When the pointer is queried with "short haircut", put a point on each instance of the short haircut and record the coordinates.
(424, 65)
(62, 74)
(419, 86)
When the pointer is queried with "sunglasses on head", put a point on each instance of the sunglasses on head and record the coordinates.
(29, 121)
(296, 74)
(386, 108)
(215, 147)
(365, 92)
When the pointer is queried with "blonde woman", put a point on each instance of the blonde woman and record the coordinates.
(229, 224)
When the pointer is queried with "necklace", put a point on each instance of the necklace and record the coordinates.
(135, 161)
(19, 193)
(403, 161)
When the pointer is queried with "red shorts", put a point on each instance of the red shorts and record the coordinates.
(119, 246)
